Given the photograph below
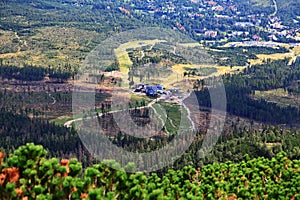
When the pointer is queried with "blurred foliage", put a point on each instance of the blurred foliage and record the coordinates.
(28, 174)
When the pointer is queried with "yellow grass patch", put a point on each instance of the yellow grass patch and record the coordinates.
(36, 58)
(278, 92)
(121, 50)
(171, 80)
(124, 59)
(191, 44)
(12, 55)
(226, 70)
(255, 61)
(6, 37)
(125, 63)
(278, 96)
(277, 56)
(179, 68)
(232, 43)
(296, 50)
(263, 57)
(64, 43)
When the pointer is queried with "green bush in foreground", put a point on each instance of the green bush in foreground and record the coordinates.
(27, 174)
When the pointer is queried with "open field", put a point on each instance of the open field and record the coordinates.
(60, 121)
(185, 82)
(9, 43)
(178, 69)
(172, 118)
(263, 57)
(278, 96)
(263, 3)
(46, 46)
(294, 52)
(125, 63)
(121, 50)
(241, 44)
(191, 44)
(123, 57)
(138, 98)
(226, 70)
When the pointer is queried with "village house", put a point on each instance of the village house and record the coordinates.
(150, 90)
(244, 24)
(212, 34)
(256, 38)
(153, 90)
(273, 37)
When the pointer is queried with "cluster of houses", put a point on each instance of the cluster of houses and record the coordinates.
(219, 10)
(150, 90)
(278, 30)
(154, 90)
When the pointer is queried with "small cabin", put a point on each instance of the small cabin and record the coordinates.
(153, 90)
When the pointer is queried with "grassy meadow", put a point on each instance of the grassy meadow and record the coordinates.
(278, 96)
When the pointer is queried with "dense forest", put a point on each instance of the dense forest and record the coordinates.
(17, 130)
(42, 13)
(240, 88)
(27, 173)
(32, 73)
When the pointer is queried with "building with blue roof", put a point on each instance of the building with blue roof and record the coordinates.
(152, 90)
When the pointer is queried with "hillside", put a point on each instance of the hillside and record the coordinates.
(289, 10)
(55, 33)
(225, 70)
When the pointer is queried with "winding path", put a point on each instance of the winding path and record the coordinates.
(276, 8)
(53, 99)
(194, 128)
(69, 123)
(160, 118)
(20, 40)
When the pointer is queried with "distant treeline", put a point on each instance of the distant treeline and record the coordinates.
(240, 87)
(238, 56)
(33, 73)
(17, 130)
(240, 103)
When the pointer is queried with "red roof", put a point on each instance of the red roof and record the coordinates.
(211, 3)
(232, 7)
(199, 15)
(125, 11)
(256, 37)
(219, 8)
